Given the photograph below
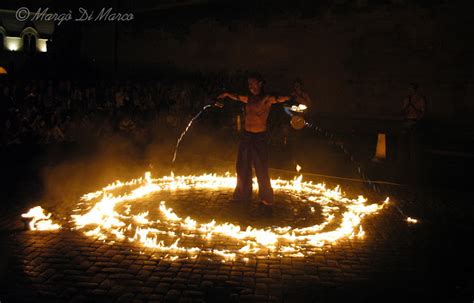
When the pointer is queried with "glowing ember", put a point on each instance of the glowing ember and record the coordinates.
(411, 220)
(40, 220)
(105, 215)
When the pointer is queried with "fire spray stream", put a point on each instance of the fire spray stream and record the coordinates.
(298, 122)
(187, 128)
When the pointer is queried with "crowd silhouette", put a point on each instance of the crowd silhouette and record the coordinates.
(50, 111)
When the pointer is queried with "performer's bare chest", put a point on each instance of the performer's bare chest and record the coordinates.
(257, 107)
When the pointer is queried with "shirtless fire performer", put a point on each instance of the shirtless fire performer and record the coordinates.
(253, 149)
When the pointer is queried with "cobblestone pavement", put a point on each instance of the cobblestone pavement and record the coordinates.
(395, 261)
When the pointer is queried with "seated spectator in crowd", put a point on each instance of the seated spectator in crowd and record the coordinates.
(53, 132)
(127, 125)
(51, 111)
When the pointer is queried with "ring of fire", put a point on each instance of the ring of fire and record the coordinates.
(98, 216)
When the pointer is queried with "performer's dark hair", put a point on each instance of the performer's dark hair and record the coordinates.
(256, 76)
(414, 85)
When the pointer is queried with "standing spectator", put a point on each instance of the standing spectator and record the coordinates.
(294, 139)
(119, 98)
(414, 105)
(300, 94)
(53, 132)
(48, 100)
(413, 110)
(76, 98)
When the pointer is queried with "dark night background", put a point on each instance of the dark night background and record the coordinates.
(62, 121)
(355, 56)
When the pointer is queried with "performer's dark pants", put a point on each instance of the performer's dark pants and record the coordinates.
(253, 151)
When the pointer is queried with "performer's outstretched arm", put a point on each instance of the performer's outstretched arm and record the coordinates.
(232, 96)
(280, 99)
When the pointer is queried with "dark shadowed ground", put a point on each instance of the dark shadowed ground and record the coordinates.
(396, 261)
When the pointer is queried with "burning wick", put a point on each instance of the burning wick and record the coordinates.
(40, 220)
(411, 220)
(300, 108)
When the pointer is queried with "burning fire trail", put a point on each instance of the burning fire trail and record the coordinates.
(40, 220)
(186, 130)
(105, 215)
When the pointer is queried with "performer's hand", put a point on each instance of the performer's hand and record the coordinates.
(218, 104)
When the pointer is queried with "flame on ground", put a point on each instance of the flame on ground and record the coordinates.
(98, 216)
(298, 168)
(39, 220)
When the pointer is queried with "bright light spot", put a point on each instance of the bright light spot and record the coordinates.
(13, 43)
(42, 45)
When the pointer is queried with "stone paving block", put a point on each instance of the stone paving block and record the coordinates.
(264, 280)
(172, 295)
(117, 257)
(162, 288)
(68, 292)
(121, 275)
(178, 286)
(275, 273)
(125, 298)
(113, 270)
(106, 284)
(132, 282)
(99, 292)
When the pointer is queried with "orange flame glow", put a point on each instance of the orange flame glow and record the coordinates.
(98, 216)
(40, 220)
